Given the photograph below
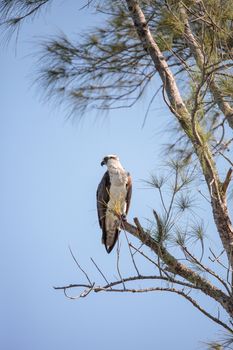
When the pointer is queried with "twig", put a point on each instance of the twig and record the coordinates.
(199, 191)
(216, 258)
(118, 266)
(131, 254)
(128, 279)
(144, 255)
(150, 103)
(137, 278)
(80, 268)
(29, 13)
(225, 157)
(100, 271)
(207, 269)
(162, 200)
(141, 245)
(169, 278)
(173, 196)
(86, 5)
(81, 295)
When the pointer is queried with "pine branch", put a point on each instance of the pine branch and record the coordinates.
(195, 48)
(12, 13)
(177, 268)
(189, 126)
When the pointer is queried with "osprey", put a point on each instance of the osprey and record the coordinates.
(113, 200)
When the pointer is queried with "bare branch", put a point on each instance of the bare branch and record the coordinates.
(144, 290)
(118, 263)
(102, 274)
(227, 159)
(177, 268)
(80, 268)
(207, 269)
(131, 254)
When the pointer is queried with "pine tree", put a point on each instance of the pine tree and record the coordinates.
(188, 46)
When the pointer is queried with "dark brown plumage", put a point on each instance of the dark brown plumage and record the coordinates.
(103, 197)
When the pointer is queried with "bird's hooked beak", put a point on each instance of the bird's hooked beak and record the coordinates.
(104, 161)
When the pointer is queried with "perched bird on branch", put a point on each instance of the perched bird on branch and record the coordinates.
(113, 200)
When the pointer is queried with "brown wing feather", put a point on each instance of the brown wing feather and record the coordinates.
(102, 197)
(110, 248)
(129, 193)
(102, 202)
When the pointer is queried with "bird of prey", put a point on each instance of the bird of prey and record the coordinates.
(113, 200)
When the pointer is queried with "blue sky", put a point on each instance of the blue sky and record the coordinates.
(50, 171)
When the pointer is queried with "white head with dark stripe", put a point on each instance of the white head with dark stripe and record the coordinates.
(111, 161)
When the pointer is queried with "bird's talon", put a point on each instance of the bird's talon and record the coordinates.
(123, 217)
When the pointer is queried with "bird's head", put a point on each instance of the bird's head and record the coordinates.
(107, 158)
